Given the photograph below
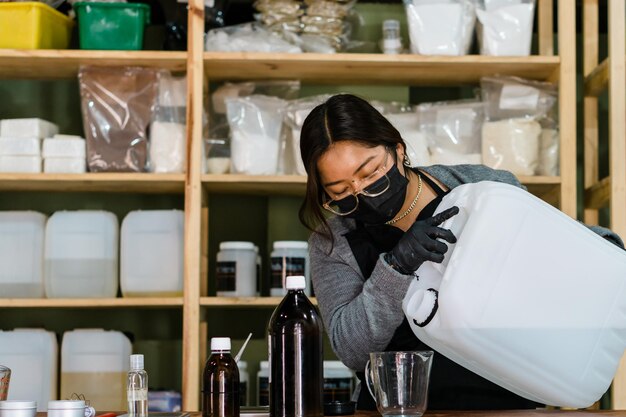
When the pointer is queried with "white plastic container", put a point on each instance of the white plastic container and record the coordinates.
(338, 382)
(244, 383)
(259, 268)
(289, 257)
(70, 408)
(263, 384)
(81, 254)
(31, 354)
(14, 408)
(151, 253)
(20, 146)
(64, 148)
(27, 128)
(21, 254)
(64, 165)
(20, 164)
(528, 298)
(236, 269)
(94, 362)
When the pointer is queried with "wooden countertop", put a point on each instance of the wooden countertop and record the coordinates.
(495, 413)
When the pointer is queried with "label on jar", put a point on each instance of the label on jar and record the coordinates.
(243, 393)
(264, 391)
(285, 266)
(337, 389)
(226, 276)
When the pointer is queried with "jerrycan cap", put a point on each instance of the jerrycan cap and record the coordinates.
(295, 282)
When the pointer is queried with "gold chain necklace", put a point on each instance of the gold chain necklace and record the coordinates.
(412, 206)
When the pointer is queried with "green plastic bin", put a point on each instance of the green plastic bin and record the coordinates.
(111, 26)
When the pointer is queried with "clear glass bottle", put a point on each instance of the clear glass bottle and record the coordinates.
(296, 376)
(391, 41)
(220, 381)
(137, 388)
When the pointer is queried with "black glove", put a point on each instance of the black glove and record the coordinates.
(419, 244)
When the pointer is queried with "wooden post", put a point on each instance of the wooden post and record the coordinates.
(567, 104)
(617, 148)
(590, 57)
(193, 208)
(545, 30)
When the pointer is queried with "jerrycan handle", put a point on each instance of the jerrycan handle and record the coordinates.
(368, 379)
(456, 224)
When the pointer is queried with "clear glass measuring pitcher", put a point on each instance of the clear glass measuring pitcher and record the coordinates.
(398, 381)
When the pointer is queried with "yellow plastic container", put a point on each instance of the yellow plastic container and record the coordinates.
(32, 25)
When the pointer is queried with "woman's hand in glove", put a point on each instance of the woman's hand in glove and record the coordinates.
(419, 244)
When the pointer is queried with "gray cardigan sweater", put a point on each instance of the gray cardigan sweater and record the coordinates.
(361, 315)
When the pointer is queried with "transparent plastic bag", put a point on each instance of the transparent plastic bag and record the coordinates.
(287, 90)
(512, 97)
(256, 124)
(512, 145)
(439, 27)
(247, 37)
(505, 27)
(453, 130)
(295, 113)
(406, 121)
(549, 151)
(168, 153)
(314, 25)
(117, 106)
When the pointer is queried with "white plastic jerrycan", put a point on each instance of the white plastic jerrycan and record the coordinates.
(528, 298)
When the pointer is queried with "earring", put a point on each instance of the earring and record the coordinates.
(406, 161)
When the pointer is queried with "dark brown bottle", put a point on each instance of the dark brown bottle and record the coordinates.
(220, 381)
(296, 378)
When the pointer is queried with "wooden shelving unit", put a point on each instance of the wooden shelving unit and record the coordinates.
(95, 182)
(272, 302)
(608, 75)
(55, 64)
(375, 68)
(337, 69)
(165, 302)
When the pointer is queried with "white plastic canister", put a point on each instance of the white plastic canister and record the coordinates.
(31, 354)
(263, 384)
(338, 382)
(15, 408)
(244, 383)
(21, 254)
(81, 254)
(94, 362)
(151, 253)
(236, 269)
(289, 258)
(542, 317)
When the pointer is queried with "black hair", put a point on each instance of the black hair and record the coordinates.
(343, 117)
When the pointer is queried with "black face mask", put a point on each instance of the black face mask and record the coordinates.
(381, 209)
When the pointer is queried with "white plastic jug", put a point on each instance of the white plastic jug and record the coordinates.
(31, 354)
(81, 254)
(527, 298)
(94, 362)
(21, 254)
(151, 253)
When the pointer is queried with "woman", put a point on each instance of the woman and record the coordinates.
(363, 258)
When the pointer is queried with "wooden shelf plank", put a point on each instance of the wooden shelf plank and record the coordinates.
(243, 301)
(166, 302)
(374, 68)
(295, 184)
(95, 182)
(55, 64)
(598, 80)
(598, 195)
